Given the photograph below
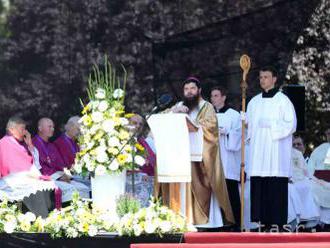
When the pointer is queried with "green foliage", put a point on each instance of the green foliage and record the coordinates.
(106, 79)
(127, 204)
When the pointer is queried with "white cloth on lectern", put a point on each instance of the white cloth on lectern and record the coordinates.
(171, 139)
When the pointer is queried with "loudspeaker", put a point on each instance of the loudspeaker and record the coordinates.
(296, 94)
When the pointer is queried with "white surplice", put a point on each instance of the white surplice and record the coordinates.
(271, 123)
(230, 143)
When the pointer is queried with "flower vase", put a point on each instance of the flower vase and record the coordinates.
(106, 189)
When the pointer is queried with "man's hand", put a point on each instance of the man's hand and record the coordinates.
(65, 178)
(180, 109)
(28, 140)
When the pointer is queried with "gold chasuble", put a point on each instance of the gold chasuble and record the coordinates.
(207, 176)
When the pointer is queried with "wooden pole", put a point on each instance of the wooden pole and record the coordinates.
(245, 64)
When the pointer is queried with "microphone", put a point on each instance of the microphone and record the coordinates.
(162, 102)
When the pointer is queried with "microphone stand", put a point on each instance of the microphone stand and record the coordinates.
(153, 111)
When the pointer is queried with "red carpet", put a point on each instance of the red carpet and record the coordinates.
(248, 240)
(249, 237)
(232, 245)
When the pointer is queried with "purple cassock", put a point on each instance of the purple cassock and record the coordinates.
(149, 167)
(67, 148)
(49, 157)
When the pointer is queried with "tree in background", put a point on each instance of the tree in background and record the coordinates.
(311, 67)
(48, 47)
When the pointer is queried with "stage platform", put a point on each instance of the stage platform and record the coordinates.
(188, 240)
(35, 240)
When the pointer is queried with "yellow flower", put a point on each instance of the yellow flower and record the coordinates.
(139, 147)
(92, 152)
(112, 150)
(86, 108)
(123, 135)
(117, 121)
(82, 153)
(143, 224)
(98, 135)
(10, 218)
(129, 115)
(40, 224)
(128, 148)
(87, 120)
(120, 112)
(122, 158)
(85, 227)
(25, 226)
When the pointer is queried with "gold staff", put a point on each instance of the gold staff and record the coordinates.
(245, 64)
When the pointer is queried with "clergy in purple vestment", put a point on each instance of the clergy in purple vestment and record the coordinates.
(66, 143)
(49, 157)
(52, 163)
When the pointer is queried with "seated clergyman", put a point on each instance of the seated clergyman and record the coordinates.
(52, 163)
(20, 179)
(68, 147)
(66, 142)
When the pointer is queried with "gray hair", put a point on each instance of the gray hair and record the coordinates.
(14, 121)
(74, 120)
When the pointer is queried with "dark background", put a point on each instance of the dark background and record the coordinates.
(47, 49)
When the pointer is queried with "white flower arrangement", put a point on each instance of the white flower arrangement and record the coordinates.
(82, 218)
(155, 219)
(11, 220)
(79, 219)
(105, 127)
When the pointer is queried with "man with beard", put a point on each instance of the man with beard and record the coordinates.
(207, 193)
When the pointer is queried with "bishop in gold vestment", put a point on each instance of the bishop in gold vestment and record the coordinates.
(207, 176)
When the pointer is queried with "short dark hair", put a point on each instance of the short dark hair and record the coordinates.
(192, 80)
(298, 136)
(270, 69)
(220, 88)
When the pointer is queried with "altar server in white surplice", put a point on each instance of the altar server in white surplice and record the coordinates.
(271, 121)
(229, 124)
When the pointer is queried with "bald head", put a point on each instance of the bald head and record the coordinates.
(45, 128)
